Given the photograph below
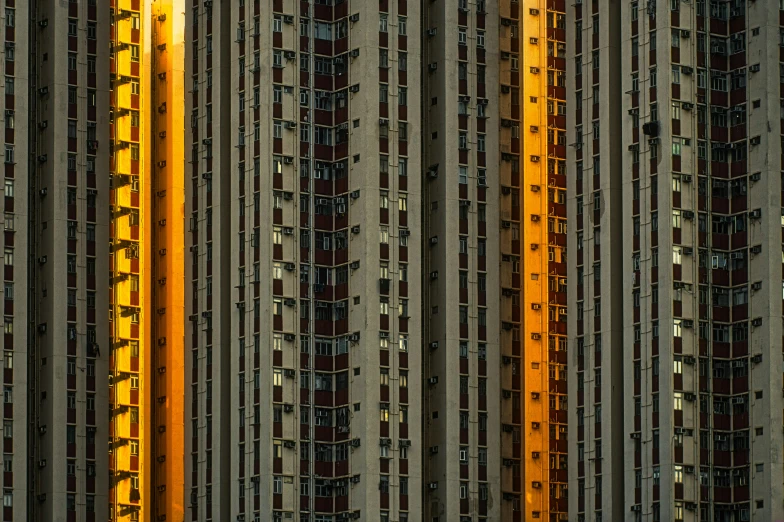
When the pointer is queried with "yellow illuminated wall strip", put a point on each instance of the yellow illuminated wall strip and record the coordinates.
(130, 313)
(167, 197)
(147, 260)
(543, 222)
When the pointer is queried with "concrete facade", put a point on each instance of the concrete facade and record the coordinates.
(303, 202)
(68, 160)
(696, 204)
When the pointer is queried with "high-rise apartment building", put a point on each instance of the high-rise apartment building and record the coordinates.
(146, 260)
(304, 367)
(461, 253)
(79, 179)
(55, 391)
(310, 213)
(595, 265)
(685, 207)
(16, 248)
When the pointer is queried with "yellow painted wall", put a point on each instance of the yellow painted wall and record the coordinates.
(130, 313)
(166, 83)
(148, 97)
(534, 261)
(536, 298)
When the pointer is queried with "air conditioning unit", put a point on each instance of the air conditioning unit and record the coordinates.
(354, 17)
(651, 128)
(536, 336)
(755, 214)
(535, 159)
(289, 373)
(757, 321)
(434, 240)
(685, 33)
(757, 358)
(354, 265)
(757, 285)
(535, 425)
(689, 396)
(434, 345)
(432, 67)
(755, 176)
(534, 454)
(433, 485)
(354, 88)
(755, 68)
(43, 91)
(432, 381)
(290, 444)
(354, 53)
(433, 450)
(536, 484)
(355, 443)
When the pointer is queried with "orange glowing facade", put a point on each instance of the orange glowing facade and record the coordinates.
(542, 196)
(146, 367)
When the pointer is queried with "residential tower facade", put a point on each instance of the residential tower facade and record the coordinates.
(303, 288)
(694, 197)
